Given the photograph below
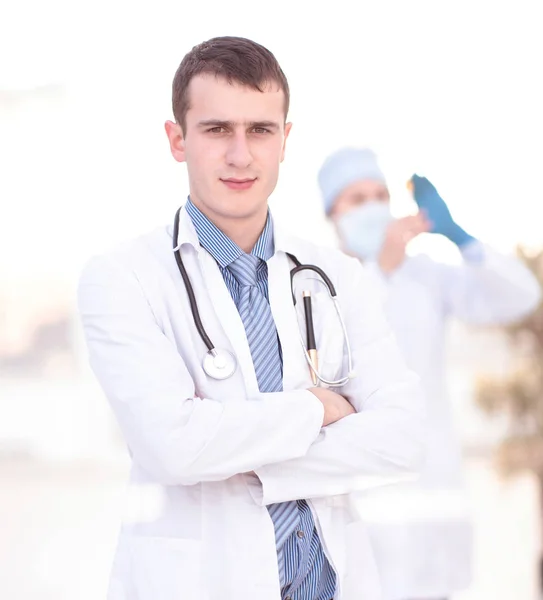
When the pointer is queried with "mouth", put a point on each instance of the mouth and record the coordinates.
(238, 184)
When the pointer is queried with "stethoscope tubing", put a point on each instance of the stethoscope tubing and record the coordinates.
(188, 286)
(297, 269)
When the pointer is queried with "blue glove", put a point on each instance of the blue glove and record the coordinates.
(437, 212)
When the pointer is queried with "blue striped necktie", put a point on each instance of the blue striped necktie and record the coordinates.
(257, 318)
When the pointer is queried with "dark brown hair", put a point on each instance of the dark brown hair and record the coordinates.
(236, 59)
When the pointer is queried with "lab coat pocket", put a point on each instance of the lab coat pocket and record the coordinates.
(329, 337)
(166, 568)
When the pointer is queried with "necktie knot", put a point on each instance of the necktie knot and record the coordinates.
(244, 269)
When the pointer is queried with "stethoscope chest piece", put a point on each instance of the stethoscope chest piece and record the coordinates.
(219, 364)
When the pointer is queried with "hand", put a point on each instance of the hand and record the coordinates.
(398, 234)
(335, 406)
(433, 205)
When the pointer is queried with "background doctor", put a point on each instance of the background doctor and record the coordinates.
(242, 483)
(421, 531)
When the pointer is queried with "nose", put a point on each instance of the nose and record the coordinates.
(238, 154)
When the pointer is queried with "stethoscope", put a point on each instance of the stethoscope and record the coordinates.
(219, 363)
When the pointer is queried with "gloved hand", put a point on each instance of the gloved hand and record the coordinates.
(437, 212)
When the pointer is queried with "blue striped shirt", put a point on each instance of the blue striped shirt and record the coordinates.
(307, 572)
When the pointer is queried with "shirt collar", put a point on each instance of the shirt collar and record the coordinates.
(220, 246)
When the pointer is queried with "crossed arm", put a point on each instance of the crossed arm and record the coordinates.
(300, 444)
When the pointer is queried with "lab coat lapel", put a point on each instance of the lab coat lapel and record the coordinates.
(225, 310)
(295, 369)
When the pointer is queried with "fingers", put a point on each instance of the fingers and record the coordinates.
(420, 184)
(402, 231)
(414, 225)
(423, 191)
(422, 223)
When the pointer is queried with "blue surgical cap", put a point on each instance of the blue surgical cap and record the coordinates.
(344, 167)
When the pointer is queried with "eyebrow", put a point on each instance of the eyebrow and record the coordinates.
(231, 124)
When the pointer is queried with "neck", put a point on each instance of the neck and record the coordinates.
(242, 230)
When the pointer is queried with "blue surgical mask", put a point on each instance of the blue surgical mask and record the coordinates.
(363, 228)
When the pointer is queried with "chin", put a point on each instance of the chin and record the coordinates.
(243, 205)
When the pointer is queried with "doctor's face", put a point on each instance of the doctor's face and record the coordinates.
(233, 144)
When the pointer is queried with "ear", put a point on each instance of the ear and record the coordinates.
(176, 139)
(288, 127)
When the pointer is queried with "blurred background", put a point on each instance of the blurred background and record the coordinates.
(451, 90)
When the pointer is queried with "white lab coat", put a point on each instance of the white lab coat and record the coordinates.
(197, 527)
(421, 532)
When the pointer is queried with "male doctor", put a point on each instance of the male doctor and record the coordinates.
(421, 532)
(240, 486)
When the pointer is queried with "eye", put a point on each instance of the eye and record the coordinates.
(216, 130)
(261, 130)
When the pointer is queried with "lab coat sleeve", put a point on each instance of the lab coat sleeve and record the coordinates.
(174, 436)
(383, 442)
(488, 288)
